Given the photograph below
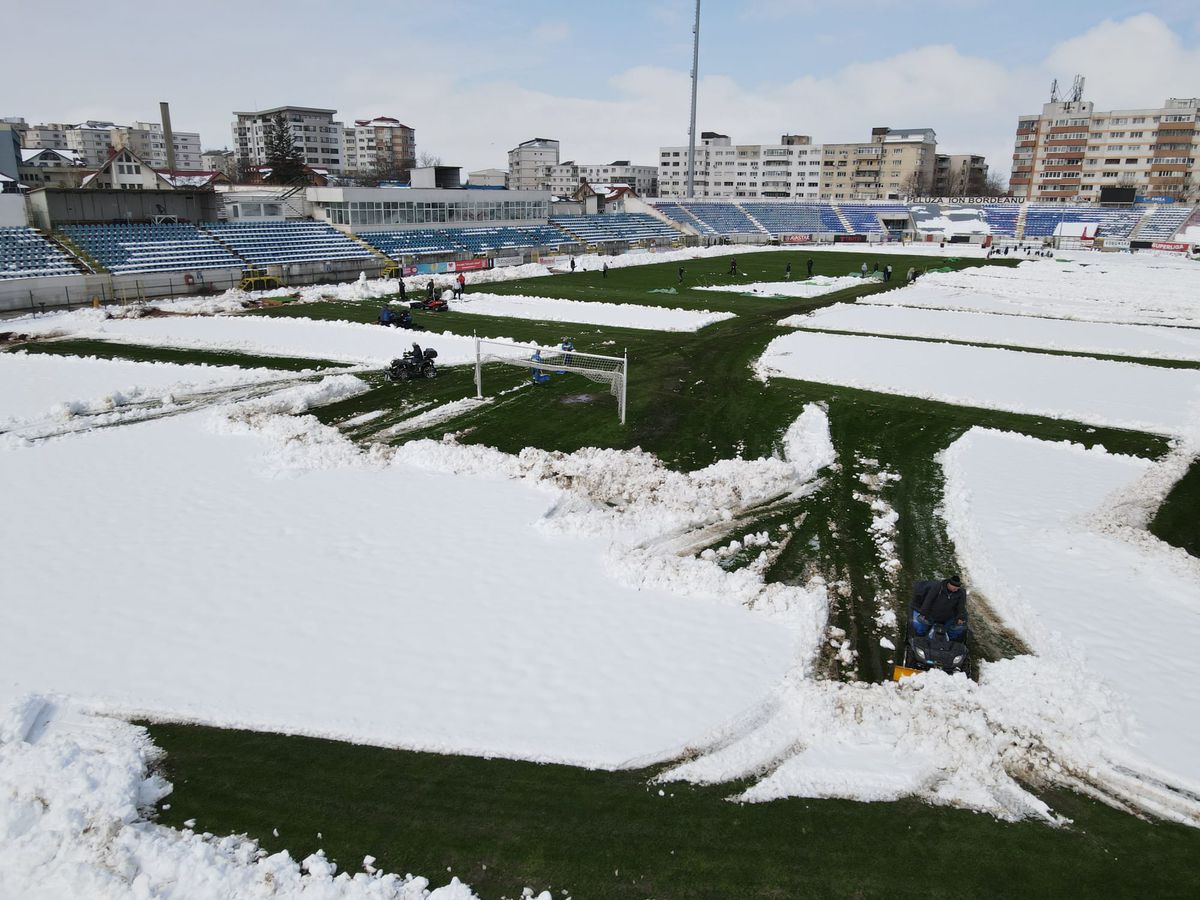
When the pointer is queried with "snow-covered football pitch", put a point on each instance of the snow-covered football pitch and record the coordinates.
(188, 542)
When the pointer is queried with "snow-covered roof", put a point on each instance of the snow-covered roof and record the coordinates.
(28, 154)
(189, 179)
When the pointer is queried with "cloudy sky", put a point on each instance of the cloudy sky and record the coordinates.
(608, 78)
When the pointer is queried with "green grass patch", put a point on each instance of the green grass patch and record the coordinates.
(1178, 519)
(501, 825)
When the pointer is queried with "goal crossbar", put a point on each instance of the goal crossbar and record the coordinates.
(610, 370)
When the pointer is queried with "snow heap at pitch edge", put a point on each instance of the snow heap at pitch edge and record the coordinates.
(72, 823)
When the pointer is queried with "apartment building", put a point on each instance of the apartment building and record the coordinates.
(790, 169)
(147, 140)
(529, 164)
(380, 144)
(95, 140)
(566, 177)
(1070, 152)
(897, 162)
(959, 175)
(314, 131)
(223, 161)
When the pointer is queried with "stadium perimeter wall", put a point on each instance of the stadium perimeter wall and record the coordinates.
(24, 295)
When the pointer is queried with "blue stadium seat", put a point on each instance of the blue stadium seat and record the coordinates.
(26, 254)
(290, 241)
(627, 227)
(150, 248)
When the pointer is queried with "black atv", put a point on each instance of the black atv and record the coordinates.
(398, 319)
(935, 650)
(416, 363)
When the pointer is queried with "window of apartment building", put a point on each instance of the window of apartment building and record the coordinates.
(1112, 162)
(1139, 120)
(1131, 162)
(1177, 118)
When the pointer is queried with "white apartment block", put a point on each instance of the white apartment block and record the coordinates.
(94, 141)
(566, 177)
(1070, 151)
(530, 164)
(789, 170)
(146, 139)
(314, 131)
(897, 162)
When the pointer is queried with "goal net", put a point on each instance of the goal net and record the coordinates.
(545, 362)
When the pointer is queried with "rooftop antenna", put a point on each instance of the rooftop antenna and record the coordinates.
(1077, 89)
(691, 178)
(1054, 91)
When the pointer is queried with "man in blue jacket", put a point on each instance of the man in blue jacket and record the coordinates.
(940, 603)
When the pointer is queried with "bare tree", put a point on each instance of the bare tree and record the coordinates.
(426, 159)
(913, 185)
(993, 186)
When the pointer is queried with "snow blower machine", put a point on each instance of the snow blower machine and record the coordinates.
(931, 644)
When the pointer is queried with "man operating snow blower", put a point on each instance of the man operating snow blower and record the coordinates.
(937, 629)
(940, 603)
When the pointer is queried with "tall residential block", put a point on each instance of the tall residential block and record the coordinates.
(1070, 152)
(790, 169)
(314, 131)
(530, 164)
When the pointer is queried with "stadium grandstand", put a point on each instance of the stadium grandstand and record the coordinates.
(142, 248)
(289, 241)
(150, 248)
(24, 253)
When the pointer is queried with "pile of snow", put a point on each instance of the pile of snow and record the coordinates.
(1145, 341)
(808, 287)
(40, 389)
(498, 638)
(1021, 513)
(944, 739)
(1134, 289)
(1097, 392)
(350, 342)
(623, 315)
(77, 793)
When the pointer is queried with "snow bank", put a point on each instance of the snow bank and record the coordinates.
(1132, 289)
(623, 315)
(1097, 392)
(1020, 512)
(77, 791)
(497, 637)
(1146, 341)
(349, 342)
(41, 384)
(809, 287)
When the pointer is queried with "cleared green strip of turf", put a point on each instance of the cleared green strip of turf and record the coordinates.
(141, 353)
(501, 825)
(1178, 519)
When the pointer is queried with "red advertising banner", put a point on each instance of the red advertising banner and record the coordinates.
(470, 265)
(795, 238)
(849, 238)
(1169, 245)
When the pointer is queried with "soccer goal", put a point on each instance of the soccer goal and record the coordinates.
(545, 362)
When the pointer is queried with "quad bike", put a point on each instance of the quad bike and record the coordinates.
(400, 319)
(416, 363)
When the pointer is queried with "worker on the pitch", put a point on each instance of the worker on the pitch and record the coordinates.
(940, 603)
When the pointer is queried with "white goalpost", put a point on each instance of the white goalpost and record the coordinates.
(544, 362)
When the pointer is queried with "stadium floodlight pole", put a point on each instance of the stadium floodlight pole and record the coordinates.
(691, 183)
